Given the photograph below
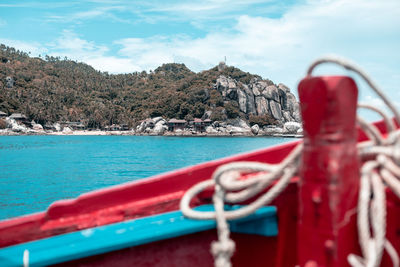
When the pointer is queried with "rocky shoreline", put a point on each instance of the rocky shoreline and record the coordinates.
(159, 127)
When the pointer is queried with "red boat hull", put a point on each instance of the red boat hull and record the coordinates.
(157, 195)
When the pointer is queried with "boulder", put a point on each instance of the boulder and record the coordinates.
(157, 119)
(146, 125)
(271, 93)
(221, 83)
(286, 116)
(222, 130)
(37, 127)
(242, 99)
(275, 109)
(211, 130)
(67, 130)
(300, 131)
(207, 115)
(232, 94)
(250, 104)
(262, 105)
(255, 129)
(291, 102)
(232, 83)
(258, 87)
(261, 132)
(291, 127)
(283, 99)
(223, 124)
(235, 130)
(262, 85)
(260, 97)
(160, 128)
(19, 128)
(296, 113)
(271, 130)
(255, 80)
(227, 86)
(256, 91)
(57, 126)
(239, 123)
(15, 126)
(10, 82)
(284, 88)
(141, 127)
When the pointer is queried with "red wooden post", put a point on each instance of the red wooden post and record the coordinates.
(328, 187)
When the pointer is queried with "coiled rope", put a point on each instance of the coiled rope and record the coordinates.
(381, 167)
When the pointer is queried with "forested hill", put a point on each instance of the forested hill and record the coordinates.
(52, 89)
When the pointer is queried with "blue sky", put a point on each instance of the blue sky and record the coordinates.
(275, 39)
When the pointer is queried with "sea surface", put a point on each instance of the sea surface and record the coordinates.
(38, 170)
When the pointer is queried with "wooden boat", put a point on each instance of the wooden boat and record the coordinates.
(311, 223)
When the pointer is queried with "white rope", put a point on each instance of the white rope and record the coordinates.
(229, 188)
(381, 168)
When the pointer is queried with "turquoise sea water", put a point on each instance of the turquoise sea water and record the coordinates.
(37, 170)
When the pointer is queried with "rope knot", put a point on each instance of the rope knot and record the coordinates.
(227, 248)
(222, 252)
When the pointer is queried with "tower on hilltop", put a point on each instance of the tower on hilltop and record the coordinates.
(222, 65)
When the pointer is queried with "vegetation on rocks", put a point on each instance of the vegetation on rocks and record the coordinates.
(50, 89)
(261, 120)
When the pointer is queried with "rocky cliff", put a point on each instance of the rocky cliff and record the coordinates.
(260, 97)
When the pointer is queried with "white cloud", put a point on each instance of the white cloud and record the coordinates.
(72, 46)
(35, 48)
(194, 7)
(112, 64)
(204, 14)
(366, 32)
(105, 12)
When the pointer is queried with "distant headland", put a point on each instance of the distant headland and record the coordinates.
(53, 96)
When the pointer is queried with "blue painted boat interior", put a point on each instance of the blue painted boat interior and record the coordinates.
(103, 239)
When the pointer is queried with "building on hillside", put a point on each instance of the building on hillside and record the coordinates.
(198, 125)
(18, 117)
(117, 127)
(112, 127)
(174, 124)
(3, 114)
(207, 122)
(124, 127)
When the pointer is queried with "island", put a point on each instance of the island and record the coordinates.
(53, 96)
